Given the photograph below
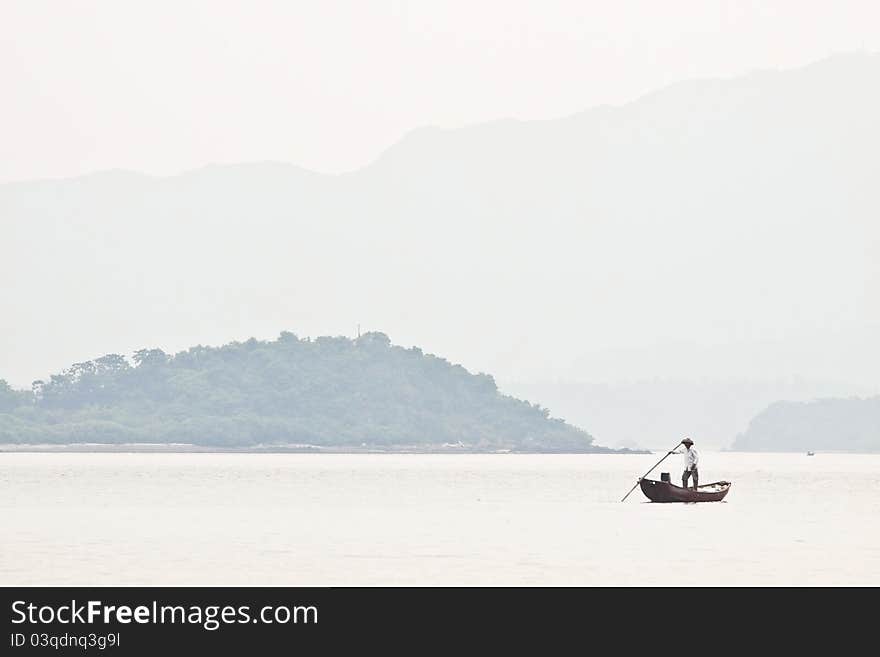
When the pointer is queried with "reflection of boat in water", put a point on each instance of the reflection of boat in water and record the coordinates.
(663, 491)
(811, 453)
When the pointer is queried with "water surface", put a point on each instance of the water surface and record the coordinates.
(409, 519)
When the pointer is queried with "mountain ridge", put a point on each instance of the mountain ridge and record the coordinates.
(648, 96)
(677, 219)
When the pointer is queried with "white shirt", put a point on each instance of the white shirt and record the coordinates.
(691, 458)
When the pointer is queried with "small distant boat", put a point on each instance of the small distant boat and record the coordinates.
(811, 453)
(663, 491)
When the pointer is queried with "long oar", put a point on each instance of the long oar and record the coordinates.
(672, 451)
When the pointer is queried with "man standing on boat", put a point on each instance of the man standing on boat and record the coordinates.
(691, 459)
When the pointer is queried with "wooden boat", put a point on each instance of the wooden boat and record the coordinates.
(663, 491)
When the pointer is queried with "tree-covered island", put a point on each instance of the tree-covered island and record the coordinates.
(328, 393)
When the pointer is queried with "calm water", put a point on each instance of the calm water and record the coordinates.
(432, 519)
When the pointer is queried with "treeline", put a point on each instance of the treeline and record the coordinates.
(848, 425)
(330, 391)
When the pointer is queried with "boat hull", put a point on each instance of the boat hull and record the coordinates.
(663, 491)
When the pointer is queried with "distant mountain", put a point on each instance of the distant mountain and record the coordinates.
(332, 393)
(736, 218)
(653, 413)
(842, 425)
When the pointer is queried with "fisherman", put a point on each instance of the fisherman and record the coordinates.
(691, 459)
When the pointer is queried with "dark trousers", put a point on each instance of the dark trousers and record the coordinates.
(690, 473)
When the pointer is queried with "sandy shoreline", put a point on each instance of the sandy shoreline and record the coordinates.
(183, 448)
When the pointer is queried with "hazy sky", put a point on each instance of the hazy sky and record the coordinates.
(165, 86)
